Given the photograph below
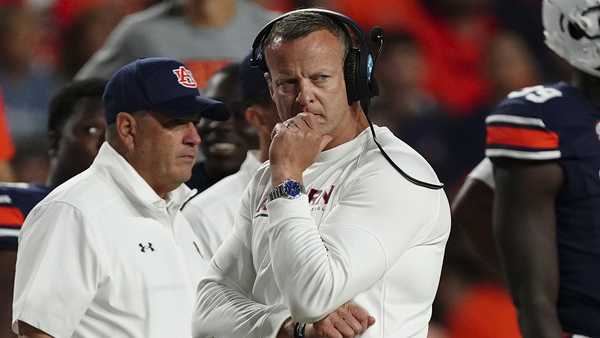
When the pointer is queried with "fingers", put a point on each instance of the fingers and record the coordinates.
(357, 311)
(304, 121)
(307, 119)
(329, 331)
(290, 124)
(361, 315)
(371, 320)
(341, 326)
(277, 129)
(351, 320)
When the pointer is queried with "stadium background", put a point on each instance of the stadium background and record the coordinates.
(445, 64)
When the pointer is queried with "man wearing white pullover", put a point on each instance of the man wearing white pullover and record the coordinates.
(327, 220)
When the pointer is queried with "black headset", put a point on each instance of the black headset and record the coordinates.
(359, 68)
(358, 65)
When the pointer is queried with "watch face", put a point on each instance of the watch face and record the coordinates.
(292, 188)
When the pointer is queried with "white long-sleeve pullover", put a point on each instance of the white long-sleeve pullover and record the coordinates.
(362, 232)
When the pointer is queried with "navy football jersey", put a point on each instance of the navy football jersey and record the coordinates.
(16, 200)
(558, 123)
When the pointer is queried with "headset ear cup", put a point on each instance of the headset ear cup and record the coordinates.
(351, 65)
(575, 31)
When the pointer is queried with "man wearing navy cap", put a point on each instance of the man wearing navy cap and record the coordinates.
(108, 253)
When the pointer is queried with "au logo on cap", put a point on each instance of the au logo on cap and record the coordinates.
(185, 77)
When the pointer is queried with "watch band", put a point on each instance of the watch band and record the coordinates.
(299, 329)
(289, 189)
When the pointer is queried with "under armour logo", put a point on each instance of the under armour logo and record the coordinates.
(185, 77)
(143, 247)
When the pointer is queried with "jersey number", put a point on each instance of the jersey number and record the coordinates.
(537, 94)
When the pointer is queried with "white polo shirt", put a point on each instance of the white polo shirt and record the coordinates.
(212, 212)
(104, 256)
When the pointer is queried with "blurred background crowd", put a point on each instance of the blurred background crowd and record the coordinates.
(445, 64)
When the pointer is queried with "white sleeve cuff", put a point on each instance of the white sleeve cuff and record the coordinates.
(285, 208)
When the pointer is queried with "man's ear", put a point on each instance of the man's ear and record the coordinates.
(126, 129)
(54, 139)
(253, 117)
(256, 119)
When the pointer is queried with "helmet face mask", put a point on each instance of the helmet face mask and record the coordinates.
(572, 30)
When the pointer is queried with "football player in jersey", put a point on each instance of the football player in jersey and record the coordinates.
(544, 143)
(76, 127)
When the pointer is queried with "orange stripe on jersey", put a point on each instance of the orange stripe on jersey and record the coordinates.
(521, 137)
(11, 216)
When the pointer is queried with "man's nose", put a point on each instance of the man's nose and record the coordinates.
(305, 95)
(192, 137)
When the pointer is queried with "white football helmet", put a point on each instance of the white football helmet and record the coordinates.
(572, 30)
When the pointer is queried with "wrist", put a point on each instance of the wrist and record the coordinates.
(287, 329)
(289, 189)
(280, 174)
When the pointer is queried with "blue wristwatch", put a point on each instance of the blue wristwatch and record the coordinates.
(289, 189)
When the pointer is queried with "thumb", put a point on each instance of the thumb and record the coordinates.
(371, 320)
(325, 141)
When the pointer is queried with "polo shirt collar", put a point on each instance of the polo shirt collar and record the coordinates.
(133, 185)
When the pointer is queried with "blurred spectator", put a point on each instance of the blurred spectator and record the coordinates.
(471, 299)
(83, 28)
(11, 2)
(451, 145)
(522, 17)
(453, 34)
(75, 130)
(401, 73)
(6, 147)
(212, 213)
(66, 11)
(27, 84)
(436, 331)
(278, 5)
(205, 34)
(224, 143)
(511, 66)
(315, 3)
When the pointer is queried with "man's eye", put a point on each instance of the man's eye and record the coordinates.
(287, 86)
(93, 130)
(285, 82)
(320, 77)
(173, 123)
(176, 123)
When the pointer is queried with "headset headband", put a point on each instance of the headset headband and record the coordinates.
(335, 16)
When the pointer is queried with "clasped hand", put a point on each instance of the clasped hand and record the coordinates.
(294, 147)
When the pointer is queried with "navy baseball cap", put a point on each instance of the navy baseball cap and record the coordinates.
(162, 85)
